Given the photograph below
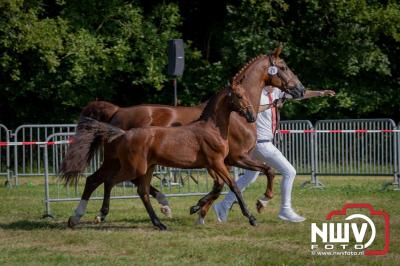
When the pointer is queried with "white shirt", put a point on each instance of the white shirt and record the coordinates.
(266, 120)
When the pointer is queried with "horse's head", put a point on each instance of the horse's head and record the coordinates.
(279, 75)
(241, 102)
(268, 70)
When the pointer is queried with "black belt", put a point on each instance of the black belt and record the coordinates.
(264, 140)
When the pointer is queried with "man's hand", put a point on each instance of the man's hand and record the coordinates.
(329, 93)
(279, 103)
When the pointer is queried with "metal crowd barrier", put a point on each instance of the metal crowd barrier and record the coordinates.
(359, 153)
(297, 148)
(313, 153)
(5, 155)
(28, 158)
(397, 165)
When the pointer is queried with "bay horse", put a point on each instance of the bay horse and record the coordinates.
(253, 77)
(200, 144)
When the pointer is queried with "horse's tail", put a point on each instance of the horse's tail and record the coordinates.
(90, 132)
(101, 111)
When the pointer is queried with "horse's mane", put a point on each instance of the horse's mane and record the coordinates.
(239, 75)
(209, 109)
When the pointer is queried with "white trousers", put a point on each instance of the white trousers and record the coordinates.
(268, 153)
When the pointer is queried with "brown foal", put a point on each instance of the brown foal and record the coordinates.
(201, 144)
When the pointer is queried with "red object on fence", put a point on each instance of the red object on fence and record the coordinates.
(29, 143)
(282, 131)
(337, 131)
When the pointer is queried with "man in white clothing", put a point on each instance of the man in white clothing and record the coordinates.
(266, 151)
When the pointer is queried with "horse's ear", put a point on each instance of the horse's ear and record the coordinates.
(278, 50)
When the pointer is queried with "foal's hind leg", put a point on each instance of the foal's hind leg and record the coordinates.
(105, 207)
(92, 182)
(113, 167)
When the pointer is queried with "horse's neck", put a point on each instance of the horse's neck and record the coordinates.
(254, 94)
(253, 82)
(220, 114)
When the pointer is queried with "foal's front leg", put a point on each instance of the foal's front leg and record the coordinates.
(204, 204)
(221, 170)
(105, 208)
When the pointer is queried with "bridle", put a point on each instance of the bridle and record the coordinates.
(273, 70)
(241, 110)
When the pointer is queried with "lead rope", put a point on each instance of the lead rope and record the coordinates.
(273, 113)
(278, 118)
(278, 139)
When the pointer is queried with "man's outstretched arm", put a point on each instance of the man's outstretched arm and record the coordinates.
(311, 94)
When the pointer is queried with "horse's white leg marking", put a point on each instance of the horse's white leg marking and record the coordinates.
(79, 212)
(162, 199)
(200, 220)
(81, 209)
(165, 209)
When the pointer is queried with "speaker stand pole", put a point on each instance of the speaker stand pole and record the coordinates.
(175, 92)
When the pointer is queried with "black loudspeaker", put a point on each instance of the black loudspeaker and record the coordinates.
(176, 57)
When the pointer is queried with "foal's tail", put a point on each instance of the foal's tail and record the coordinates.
(101, 111)
(90, 132)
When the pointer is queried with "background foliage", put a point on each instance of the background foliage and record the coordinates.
(56, 56)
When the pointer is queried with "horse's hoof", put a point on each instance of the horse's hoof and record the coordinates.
(161, 227)
(98, 219)
(260, 205)
(166, 210)
(73, 221)
(253, 221)
(194, 209)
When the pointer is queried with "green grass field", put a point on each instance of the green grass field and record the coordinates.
(128, 238)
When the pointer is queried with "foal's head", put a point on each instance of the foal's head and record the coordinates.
(241, 103)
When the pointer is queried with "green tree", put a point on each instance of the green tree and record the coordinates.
(351, 46)
(56, 58)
